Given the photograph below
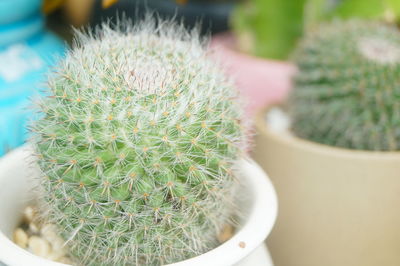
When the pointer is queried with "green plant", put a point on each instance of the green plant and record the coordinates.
(347, 90)
(271, 28)
(268, 28)
(137, 142)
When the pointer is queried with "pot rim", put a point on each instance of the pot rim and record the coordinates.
(314, 147)
(260, 220)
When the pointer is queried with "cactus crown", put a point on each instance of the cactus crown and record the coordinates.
(348, 86)
(137, 142)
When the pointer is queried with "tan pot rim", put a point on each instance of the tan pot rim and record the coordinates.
(313, 147)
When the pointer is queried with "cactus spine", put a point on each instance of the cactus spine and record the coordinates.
(137, 142)
(347, 90)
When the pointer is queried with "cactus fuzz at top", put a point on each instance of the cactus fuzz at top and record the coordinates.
(347, 91)
(137, 141)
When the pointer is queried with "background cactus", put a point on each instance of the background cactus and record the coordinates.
(137, 141)
(347, 90)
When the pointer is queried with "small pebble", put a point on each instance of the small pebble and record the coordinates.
(39, 246)
(20, 238)
(40, 239)
(56, 255)
(225, 234)
(33, 228)
(64, 260)
(48, 232)
(29, 214)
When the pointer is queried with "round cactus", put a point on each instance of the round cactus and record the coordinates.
(137, 140)
(348, 86)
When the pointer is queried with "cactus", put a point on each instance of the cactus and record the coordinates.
(348, 86)
(137, 141)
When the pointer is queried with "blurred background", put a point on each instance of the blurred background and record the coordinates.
(252, 38)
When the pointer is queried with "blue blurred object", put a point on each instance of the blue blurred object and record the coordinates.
(26, 52)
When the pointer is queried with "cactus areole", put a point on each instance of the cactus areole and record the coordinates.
(137, 141)
(347, 90)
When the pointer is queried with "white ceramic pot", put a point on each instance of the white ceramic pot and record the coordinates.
(17, 178)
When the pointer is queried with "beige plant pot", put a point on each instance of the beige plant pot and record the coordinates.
(337, 207)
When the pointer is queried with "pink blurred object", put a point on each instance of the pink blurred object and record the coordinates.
(261, 81)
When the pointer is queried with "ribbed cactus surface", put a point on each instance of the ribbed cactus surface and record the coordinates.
(137, 141)
(347, 91)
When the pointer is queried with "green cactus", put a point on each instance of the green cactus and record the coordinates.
(347, 89)
(137, 140)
